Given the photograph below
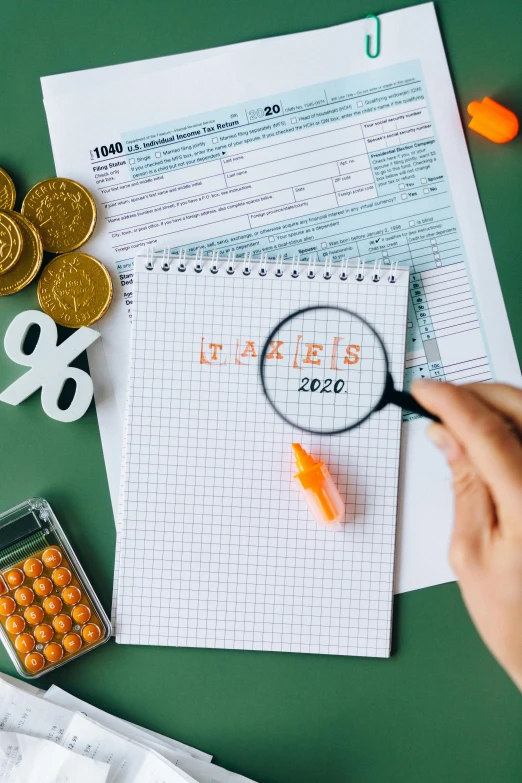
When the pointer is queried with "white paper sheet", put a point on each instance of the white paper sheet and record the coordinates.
(25, 759)
(171, 749)
(132, 762)
(103, 104)
(191, 761)
(129, 761)
(215, 540)
(135, 755)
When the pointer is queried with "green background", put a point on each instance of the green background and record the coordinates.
(440, 709)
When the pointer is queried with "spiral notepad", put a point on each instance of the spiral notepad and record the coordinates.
(215, 545)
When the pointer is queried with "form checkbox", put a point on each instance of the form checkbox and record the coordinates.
(402, 186)
(293, 120)
(426, 190)
(404, 195)
(438, 263)
(412, 222)
(433, 241)
(323, 245)
(410, 325)
(215, 140)
(385, 252)
(434, 248)
(423, 181)
(131, 161)
(271, 239)
(359, 104)
(158, 154)
(437, 255)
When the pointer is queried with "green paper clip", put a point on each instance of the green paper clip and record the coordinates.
(377, 38)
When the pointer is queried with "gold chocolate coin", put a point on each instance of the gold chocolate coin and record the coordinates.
(11, 242)
(75, 289)
(7, 191)
(30, 261)
(63, 212)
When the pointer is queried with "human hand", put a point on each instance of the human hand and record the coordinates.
(481, 437)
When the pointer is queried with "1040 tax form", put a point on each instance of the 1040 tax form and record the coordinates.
(298, 145)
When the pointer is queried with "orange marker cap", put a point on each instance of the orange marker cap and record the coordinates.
(493, 120)
(320, 492)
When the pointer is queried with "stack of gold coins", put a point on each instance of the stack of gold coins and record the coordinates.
(57, 215)
(21, 249)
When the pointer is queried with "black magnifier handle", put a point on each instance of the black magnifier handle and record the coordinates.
(408, 402)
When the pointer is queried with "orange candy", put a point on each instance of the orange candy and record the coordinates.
(81, 614)
(72, 642)
(34, 662)
(53, 604)
(33, 567)
(24, 643)
(3, 586)
(71, 595)
(91, 632)
(42, 586)
(34, 614)
(61, 577)
(52, 557)
(7, 606)
(24, 596)
(43, 633)
(15, 624)
(14, 577)
(53, 652)
(62, 623)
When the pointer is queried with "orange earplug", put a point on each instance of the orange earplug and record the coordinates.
(493, 120)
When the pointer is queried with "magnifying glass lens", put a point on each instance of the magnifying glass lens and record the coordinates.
(324, 369)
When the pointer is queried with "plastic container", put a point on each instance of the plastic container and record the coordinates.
(49, 613)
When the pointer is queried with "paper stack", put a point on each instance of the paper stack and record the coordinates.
(53, 737)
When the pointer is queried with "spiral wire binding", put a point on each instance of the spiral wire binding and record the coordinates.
(231, 262)
(328, 268)
(247, 268)
(392, 277)
(165, 264)
(180, 260)
(150, 259)
(214, 268)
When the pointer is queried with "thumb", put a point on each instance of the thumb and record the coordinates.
(474, 510)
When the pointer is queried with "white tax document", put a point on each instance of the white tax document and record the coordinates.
(298, 144)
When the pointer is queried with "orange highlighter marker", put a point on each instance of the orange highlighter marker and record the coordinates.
(321, 495)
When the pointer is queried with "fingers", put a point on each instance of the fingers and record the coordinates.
(506, 399)
(488, 440)
(474, 512)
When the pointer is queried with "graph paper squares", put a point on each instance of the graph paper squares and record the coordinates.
(216, 547)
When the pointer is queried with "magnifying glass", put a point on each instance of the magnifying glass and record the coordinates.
(325, 370)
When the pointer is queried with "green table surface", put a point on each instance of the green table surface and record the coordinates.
(440, 709)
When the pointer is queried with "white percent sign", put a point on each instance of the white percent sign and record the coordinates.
(49, 364)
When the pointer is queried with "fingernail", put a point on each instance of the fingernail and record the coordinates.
(440, 436)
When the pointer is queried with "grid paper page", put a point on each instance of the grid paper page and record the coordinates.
(217, 547)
